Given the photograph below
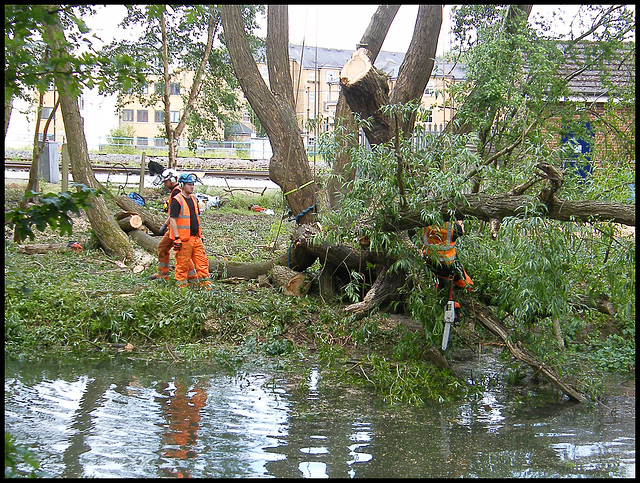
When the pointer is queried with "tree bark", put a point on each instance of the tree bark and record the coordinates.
(417, 65)
(150, 219)
(41, 248)
(111, 238)
(289, 166)
(487, 207)
(366, 89)
(291, 282)
(130, 222)
(347, 130)
(8, 107)
(218, 269)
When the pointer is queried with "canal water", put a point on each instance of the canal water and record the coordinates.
(127, 418)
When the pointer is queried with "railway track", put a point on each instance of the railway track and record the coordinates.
(120, 168)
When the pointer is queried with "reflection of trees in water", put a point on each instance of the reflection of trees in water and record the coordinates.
(182, 410)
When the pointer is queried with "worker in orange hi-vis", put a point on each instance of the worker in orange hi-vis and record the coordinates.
(170, 179)
(185, 231)
(439, 253)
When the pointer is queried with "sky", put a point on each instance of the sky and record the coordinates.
(330, 26)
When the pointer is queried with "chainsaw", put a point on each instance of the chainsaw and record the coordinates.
(449, 316)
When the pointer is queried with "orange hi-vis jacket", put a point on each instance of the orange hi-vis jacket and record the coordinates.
(438, 243)
(184, 219)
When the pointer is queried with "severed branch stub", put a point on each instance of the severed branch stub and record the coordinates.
(366, 90)
(554, 178)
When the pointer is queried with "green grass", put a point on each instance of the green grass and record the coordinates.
(65, 300)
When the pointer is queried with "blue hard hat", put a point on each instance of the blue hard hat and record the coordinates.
(187, 178)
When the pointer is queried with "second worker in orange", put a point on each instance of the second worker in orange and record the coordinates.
(185, 231)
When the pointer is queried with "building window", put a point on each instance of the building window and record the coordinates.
(142, 141)
(159, 142)
(158, 116)
(312, 76)
(46, 112)
(158, 87)
(142, 116)
(430, 90)
(80, 102)
(174, 89)
(332, 77)
(175, 116)
(145, 89)
(127, 115)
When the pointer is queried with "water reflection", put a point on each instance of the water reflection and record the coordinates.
(181, 406)
(125, 419)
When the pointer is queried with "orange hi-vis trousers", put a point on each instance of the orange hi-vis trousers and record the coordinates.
(192, 252)
(164, 259)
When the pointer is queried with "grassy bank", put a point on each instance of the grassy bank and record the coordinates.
(86, 302)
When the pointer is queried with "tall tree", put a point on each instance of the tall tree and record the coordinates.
(174, 40)
(112, 239)
(274, 105)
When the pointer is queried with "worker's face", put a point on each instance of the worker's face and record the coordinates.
(169, 184)
(188, 188)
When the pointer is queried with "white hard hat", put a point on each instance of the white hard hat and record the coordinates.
(167, 174)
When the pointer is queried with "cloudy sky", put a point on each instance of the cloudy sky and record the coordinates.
(331, 26)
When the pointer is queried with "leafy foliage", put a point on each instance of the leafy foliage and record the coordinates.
(16, 455)
(27, 68)
(52, 210)
(186, 32)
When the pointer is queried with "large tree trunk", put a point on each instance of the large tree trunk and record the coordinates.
(289, 166)
(111, 238)
(218, 269)
(347, 134)
(366, 89)
(496, 207)
(150, 219)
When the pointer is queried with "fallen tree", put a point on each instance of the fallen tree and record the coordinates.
(218, 269)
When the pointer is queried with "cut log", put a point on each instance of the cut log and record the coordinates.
(150, 219)
(486, 317)
(291, 282)
(41, 248)
(131, 222)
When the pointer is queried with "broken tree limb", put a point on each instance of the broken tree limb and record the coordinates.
(486, 317)
(41, 248)
(366, 90)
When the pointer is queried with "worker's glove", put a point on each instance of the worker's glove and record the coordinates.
(177, 245)
(163, 229)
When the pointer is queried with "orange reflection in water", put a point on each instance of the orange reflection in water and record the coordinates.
(182, 412)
